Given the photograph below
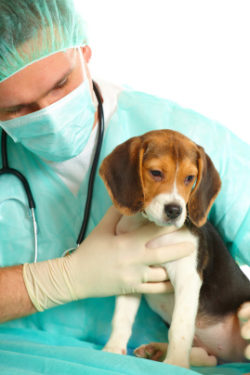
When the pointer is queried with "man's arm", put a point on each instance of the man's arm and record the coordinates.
(14, 299)
(103, 265)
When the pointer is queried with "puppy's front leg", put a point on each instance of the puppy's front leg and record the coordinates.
(125, 311)
(187, 284)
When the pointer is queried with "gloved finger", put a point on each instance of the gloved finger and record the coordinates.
(177, 236)
(150, 231)
(155, 274)
(244, 311)
(245, 330)
(168, 253)
(247, 352)
(155, 288)
(110, 220)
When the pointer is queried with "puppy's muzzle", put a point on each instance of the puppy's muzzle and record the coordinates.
(172, 211)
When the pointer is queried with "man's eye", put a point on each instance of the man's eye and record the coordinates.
(157, 175)
(188, 179)
(62, 83)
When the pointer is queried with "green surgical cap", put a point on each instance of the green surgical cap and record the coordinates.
(33, 29)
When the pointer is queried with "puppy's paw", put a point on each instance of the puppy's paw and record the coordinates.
(114, 349)
(156, 351)
(199, 357)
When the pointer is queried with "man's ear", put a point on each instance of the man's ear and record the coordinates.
(87, 53)
(121, 172)
(207, 187)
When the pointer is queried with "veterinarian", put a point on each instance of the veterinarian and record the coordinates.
(50, 114)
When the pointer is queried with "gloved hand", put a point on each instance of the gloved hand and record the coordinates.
(244, 316)
(104, 265)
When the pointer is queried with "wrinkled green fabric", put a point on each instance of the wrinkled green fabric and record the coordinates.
(31, 30)
(62, 340)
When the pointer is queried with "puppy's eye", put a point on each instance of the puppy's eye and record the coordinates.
(188, 179)
(157, 175)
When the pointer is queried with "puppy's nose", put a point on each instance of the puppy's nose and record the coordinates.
(172, 210)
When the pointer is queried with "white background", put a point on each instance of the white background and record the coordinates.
(193, 52)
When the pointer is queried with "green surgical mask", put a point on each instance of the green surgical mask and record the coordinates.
(60, 131)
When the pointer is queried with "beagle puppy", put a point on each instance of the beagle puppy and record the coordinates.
(164, 177)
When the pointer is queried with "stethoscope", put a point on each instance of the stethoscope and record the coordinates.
(31, 202)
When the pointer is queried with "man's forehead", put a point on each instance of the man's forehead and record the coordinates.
(36, 79)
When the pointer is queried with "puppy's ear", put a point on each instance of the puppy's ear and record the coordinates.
(121, 172)
(206, 189)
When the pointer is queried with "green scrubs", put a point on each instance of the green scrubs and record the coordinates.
(67, 339)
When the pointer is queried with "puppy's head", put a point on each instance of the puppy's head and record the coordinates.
(163, 174)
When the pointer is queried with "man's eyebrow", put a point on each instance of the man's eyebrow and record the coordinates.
(57, 84)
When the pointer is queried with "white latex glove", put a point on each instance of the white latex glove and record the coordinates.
(104, 265)
(244, 317)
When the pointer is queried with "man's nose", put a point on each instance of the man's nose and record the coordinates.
(40, 104)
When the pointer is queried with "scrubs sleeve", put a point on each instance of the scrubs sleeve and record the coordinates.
(231, 212)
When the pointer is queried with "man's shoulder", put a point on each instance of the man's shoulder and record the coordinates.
(131, 96)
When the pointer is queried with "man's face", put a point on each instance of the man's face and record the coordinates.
(42, 83)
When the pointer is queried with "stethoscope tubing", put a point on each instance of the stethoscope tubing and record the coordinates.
(92, 175)
(31, 202)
